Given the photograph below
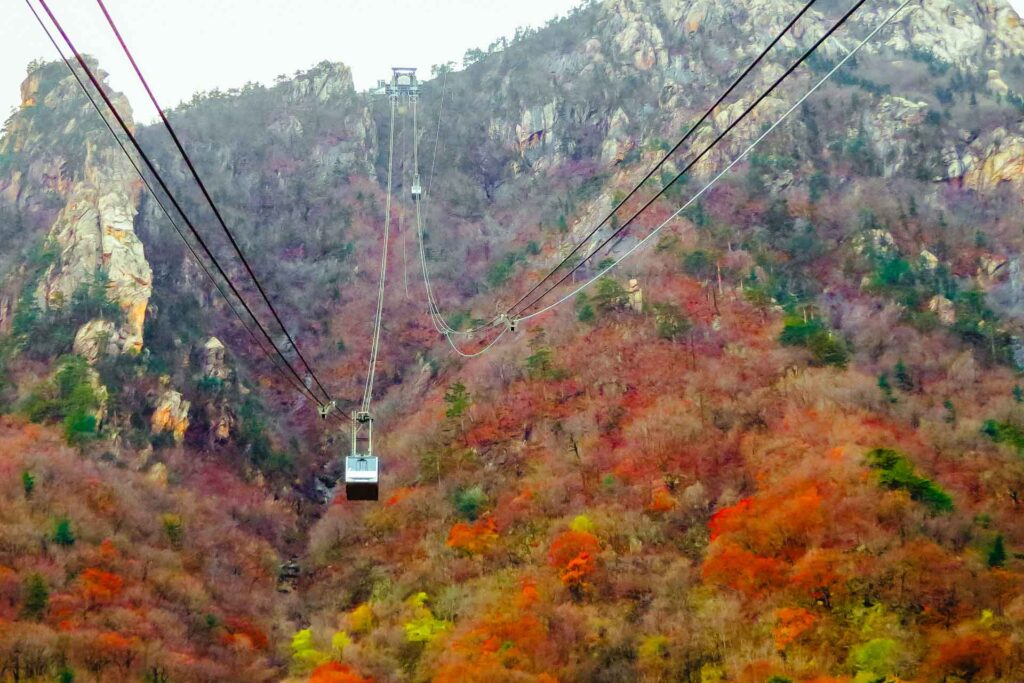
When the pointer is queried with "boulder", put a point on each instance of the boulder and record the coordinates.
(1001, 161)
(214, 365)
(171, 415)
(943, 308)
(96, 339)
(889, 127)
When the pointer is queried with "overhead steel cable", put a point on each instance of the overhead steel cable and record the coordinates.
(746, 112)
(728, 168)
(689, 133)
(378, 318)
(440, 324)
(636, 188)
(436, 318)
(209, 199)
(302, 388)
(433, 308)
(162, 183)
(428, 197)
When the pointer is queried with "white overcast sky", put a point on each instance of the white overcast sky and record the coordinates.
(184, 46)
(188, 45)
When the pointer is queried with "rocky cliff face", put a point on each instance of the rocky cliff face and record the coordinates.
(95, 239)
(77, 183)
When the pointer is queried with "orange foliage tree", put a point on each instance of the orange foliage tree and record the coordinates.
(792, 623)
(99, 586)
(333, 672)
(968, 657)
(501, 644)
(574, 553)
(474, 538)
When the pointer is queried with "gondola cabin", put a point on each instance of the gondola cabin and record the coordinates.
(362, 469)
(362, 478)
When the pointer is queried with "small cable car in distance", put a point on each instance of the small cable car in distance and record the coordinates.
(362, 471)
(417, 189)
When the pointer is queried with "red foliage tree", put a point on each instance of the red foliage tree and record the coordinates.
(333, 672)
(98, 586)
(968, 657)
(792, 623)
(753, 575)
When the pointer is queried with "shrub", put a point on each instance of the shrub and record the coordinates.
(469, 503)
(896, 472)
(174, 529)
(827, 347)
(1004, 432)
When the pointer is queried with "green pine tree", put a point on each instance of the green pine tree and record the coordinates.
(950, 411)
(37, 597)
(886, 387)
(584, 311)
(997, 553)
(28, 483)
(458, 401)
(63, 533)
(903, 379)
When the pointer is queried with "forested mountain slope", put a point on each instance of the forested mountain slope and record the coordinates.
(783, 442)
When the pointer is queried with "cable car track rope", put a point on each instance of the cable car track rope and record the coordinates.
(163, 185)
(733, 163)
(209, 199)
(166, 212)
(693, 162)
(375, 340)
(661, 162)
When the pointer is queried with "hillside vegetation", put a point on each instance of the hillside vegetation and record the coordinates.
(782, 443)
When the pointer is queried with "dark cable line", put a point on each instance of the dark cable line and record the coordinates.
(665, 158)
(163, 185)
(700, 156)
(209, 199)
(302, 388)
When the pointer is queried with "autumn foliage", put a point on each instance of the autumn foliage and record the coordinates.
(333, 672)
(789, 452)
(473, 538)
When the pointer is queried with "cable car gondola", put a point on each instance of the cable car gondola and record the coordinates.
(417, 188)
(362, 470)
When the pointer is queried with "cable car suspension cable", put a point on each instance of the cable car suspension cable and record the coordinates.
(746, 112)
(166, 212)
(161, 182)
(714, 180)
(436, 318)
(375, 341)
(689, 133)
(209, 199)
